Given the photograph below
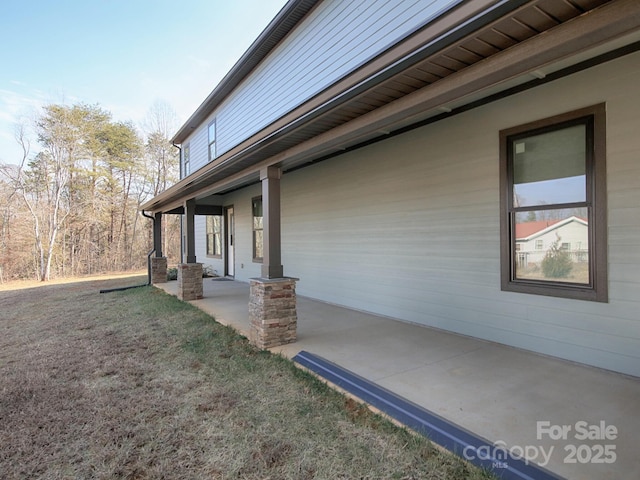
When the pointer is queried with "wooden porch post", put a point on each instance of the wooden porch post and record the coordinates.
(272, 299)
(157, 234)
(272, 258)
(190, 237)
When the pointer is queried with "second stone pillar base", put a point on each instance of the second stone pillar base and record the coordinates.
(272, 312)
(190, 281)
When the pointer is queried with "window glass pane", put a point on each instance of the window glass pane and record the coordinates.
(257, 243)
(256, 208)
(257, 214)
(212, 132)
(214, 234)
(185, 160)
(217, 244)
(550, 168)
(210, 250)
(552, 245)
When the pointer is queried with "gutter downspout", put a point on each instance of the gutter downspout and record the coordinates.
(151, 252)
(179, 158)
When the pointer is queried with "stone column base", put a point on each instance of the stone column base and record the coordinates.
(190, 281)
(158, 270)
(272, 312)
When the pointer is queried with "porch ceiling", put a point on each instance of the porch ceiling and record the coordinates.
(425, 77)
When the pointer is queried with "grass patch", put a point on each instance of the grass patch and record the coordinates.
(136, 384)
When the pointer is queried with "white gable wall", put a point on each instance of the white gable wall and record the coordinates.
(333, 40)
(575, 233)
(409, 227)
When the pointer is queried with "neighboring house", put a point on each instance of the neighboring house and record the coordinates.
(374, 149)
(534, 239)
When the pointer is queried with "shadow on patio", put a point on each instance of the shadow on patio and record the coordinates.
(497, 392)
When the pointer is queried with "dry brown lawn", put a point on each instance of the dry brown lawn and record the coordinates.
(137, 385)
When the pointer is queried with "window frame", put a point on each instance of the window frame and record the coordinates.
(256, 259)
(594, 117)
(215, 233)
(186, 160)
(211, 143)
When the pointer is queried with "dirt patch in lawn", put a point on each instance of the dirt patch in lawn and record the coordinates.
(136, 384)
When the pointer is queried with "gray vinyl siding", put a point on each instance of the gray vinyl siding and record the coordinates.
(409, 227)
(332, 41)
(199, 144)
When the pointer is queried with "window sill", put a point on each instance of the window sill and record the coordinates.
(572, 292)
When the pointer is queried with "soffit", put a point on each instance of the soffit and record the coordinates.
(423, 69)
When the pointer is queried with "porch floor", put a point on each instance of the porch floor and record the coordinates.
(497, 392)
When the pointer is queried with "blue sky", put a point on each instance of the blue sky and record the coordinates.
(121, 54)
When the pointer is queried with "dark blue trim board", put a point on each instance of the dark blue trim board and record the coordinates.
(479, 451)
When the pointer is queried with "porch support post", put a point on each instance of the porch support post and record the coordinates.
(272, 259)
(190, 273)
(158, 262)
(273, 315)
(190, 236)
(157, 234)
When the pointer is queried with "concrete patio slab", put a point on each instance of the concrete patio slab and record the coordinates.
(499, 393)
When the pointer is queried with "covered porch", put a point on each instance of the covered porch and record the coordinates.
(507, 396)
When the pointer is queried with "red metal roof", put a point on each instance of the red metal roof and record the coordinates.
(524, 230)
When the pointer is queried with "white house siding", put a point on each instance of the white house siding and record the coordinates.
(574, 233)
(333, 40)
(409, 227)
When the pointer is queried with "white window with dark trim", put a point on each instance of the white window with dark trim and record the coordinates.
(552, 180)
(258, 226)
(212, 140)
(214, 235)
(186, 160)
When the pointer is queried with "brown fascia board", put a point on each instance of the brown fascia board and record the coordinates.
(282, 24)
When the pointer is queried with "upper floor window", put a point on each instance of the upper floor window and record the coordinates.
(214, 235)
(258, 238)
(212, 140)
(186, 158)
(553, 194)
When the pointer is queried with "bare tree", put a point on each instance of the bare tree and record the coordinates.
(71, 206)
(162, 168)
(42, 187)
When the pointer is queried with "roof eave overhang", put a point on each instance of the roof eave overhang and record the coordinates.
(581, 38)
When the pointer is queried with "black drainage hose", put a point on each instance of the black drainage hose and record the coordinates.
(120, 289)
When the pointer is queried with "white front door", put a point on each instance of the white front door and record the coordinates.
(230, 233)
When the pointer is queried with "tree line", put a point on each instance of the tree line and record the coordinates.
(70, 205)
